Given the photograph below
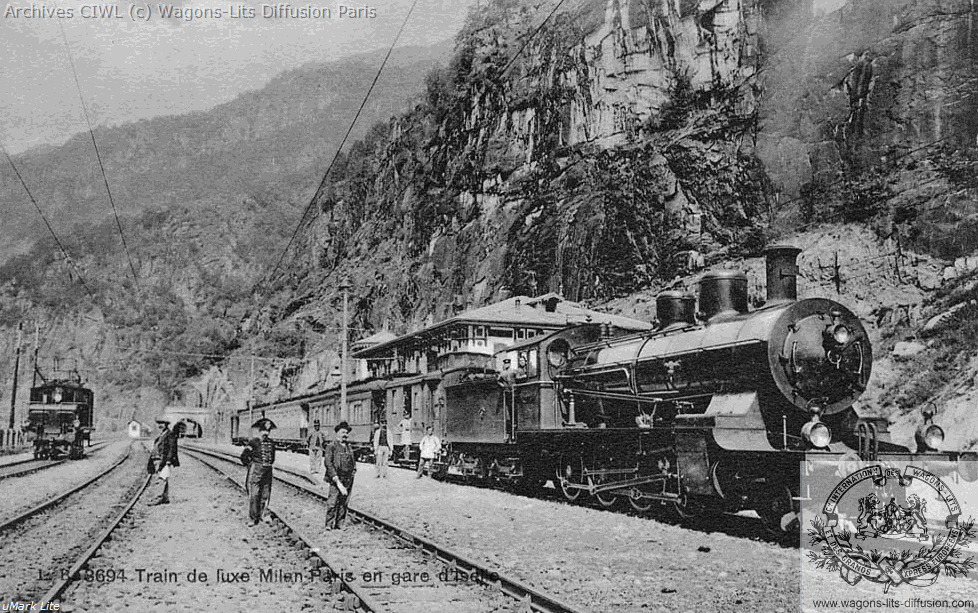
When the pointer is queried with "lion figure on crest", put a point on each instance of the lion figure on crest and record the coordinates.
(914, 514)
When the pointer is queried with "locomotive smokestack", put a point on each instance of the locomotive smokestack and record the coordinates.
(782, 273)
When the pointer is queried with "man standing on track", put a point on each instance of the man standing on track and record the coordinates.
(259, 456)
(382, 449)
(165, 455)
(316, 443)
(341, 466)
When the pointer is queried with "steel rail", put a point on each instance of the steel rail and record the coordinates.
(59, 497)
(533, 600)
(32, 469)
(75, 570)
(40, 465)
(362, 600)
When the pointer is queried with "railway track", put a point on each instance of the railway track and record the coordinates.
(64, 530)
(21, 468)
(8, 523)
(399, 570)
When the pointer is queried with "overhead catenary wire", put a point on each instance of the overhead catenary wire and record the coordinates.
(47, 223)
(98, 155)
(339, 149)
(322, 183)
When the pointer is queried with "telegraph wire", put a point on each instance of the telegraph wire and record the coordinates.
(529, 38)
(61, 246)
(339, 149)
(98, 155)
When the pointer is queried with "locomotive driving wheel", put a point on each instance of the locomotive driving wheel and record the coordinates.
(605, 499)
(777, 509)
(642, 505)
(569, 472)
(689, 507)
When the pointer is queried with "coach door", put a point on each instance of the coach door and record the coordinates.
(378, 404)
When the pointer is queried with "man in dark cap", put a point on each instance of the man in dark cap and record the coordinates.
(316, 442)
(341, 466)
(259, 456)
(164, 455)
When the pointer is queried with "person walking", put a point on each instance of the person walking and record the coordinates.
(316, 442)
(165, 458)
(341, 467)
(382, 449)
(430, 446)
(259, 456)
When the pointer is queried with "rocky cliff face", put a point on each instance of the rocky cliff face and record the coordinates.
(581, 165)
(630, 140)
(863, 85)
(628, 131)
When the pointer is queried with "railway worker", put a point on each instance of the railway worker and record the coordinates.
(430, 446)
(382, 449)
(316, 442)
(259, 456)
(165, 457)
(341, 467)
(405, 426)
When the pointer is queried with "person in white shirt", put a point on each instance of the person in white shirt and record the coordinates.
(382, 449)
(430, 446)
(405, 427)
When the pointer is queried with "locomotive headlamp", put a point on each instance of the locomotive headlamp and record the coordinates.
(842, 334)
(929, 437)
(816, 433)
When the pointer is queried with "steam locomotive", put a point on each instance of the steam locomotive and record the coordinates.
(714, 410)
(60, 415)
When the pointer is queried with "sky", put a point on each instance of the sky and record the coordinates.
(133, 68)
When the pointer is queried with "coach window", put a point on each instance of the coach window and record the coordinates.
(480, 336)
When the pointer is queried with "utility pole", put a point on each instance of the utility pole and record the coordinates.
(13, 390)
(251, 396)
(37, 346)
(345, 288)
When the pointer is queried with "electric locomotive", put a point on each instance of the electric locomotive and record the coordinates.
(60, 414)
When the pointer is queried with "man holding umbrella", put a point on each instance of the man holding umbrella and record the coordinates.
(259, 456)
(341, 466)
